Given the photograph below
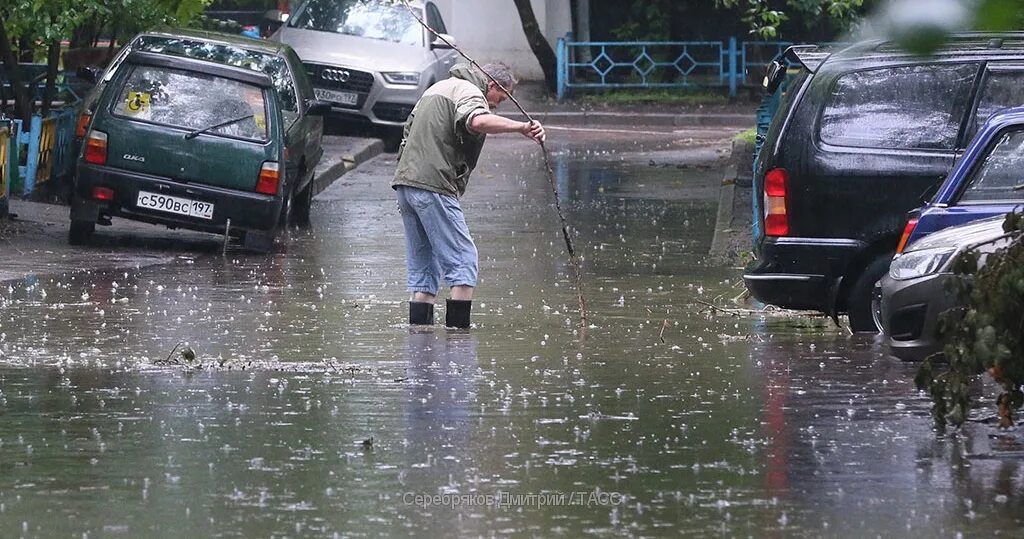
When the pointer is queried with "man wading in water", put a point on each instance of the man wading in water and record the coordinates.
(440, 147)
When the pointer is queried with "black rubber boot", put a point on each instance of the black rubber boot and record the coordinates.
(456, 313)
(421, 313)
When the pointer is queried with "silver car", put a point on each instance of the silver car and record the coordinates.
(915, 291)
(370, 59)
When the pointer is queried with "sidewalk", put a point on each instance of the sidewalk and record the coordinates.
(534, 97)
(33, 240)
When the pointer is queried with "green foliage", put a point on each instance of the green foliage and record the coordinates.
(764, 20)
(987, 335)
(646, 22)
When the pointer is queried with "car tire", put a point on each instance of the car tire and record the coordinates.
(80, 232)
(302, 204)
(259, 241)
(862, 302)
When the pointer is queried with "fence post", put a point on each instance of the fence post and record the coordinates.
(562, 69)
(732, 67)
(5, 137)
(32, 155)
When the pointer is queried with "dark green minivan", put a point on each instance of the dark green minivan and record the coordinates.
(161, 89)
(185, 143)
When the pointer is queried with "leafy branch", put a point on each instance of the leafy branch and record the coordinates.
(984, 336)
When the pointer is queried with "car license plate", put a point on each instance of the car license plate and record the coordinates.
(344, 98)
(178, 205)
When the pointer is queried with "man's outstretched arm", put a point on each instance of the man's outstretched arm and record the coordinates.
(493, 124)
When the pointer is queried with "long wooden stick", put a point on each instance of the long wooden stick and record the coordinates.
(569, 246)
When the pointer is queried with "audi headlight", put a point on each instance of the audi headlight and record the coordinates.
(402, 77)
(918, 263)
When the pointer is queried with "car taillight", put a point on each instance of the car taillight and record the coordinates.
(776, 222)
(102, 193)
(270, 176)
(96, 148)
(907, 231)
(83, 124)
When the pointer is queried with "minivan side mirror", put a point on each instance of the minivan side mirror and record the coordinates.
(774, 76)
(316, 107)
(276, 15)
(89, 73)
(439, 44)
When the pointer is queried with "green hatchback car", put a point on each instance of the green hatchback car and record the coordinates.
(199, 130)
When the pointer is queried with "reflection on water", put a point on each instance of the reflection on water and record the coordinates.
(317, 412)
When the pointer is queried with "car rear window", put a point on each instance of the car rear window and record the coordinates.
(906, 107)
(1000, 177)
(192, 100)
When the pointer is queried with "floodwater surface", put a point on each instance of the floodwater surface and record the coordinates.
(311, 409)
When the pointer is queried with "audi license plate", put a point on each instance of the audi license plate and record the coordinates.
(343, 98)
(178, 205)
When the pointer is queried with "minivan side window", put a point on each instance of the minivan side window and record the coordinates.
(1001, 88)
(1001, 175)
(906, 107)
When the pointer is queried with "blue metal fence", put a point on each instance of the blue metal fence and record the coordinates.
(42, 150)
(662, 64)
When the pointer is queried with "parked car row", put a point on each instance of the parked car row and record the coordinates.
(863, 135)
(222, 133)
(966, 214)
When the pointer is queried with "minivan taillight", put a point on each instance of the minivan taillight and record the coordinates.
(83, 124)
(270, 176)
(776, 222)
(96, 148)
(907, 231)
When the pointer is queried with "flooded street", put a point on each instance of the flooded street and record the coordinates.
(312, 409)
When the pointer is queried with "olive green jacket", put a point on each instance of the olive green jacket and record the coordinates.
(438, 150)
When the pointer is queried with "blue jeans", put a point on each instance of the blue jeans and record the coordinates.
(437, 241)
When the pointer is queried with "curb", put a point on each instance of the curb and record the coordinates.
(652, 120)
(723, 243)
(357, 152)
(641, 119)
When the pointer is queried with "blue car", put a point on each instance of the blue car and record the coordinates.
(986, 184)
(987, 181)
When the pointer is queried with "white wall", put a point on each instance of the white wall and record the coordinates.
(490, 30)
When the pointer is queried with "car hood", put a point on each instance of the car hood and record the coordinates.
(963, 236)
(352, 51)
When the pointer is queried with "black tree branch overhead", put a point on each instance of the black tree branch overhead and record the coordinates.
(570, 247)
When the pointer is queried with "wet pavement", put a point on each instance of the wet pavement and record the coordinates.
(312, 410)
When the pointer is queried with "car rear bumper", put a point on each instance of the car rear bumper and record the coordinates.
(246, 210)
(911, 311)
(800, 273)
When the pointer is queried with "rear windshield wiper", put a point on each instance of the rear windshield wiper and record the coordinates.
(195, 133)
(1018, 187)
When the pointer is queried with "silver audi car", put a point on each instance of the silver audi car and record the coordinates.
(370, 59)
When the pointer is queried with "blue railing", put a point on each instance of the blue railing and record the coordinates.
(662, 64)
(43, 149)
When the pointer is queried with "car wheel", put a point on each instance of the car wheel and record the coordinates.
(80, 232)
(303, 203)
(862, 303)
(259, 241)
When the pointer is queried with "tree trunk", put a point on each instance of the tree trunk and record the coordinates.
(581, 17)
(538, 43)
(52, 63)
(22, 103)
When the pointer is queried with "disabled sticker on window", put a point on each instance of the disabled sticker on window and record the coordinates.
(138, 103)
